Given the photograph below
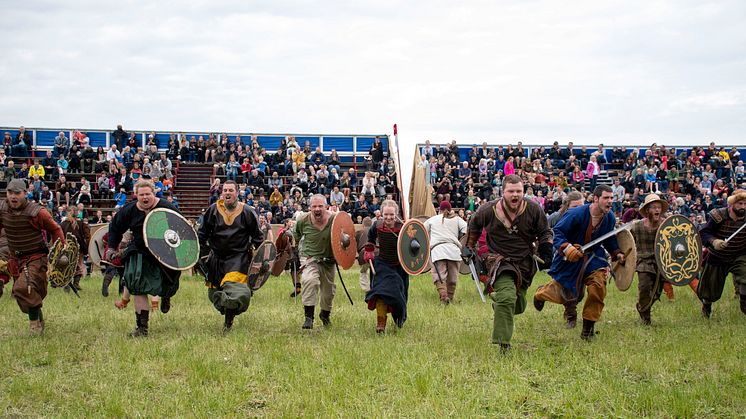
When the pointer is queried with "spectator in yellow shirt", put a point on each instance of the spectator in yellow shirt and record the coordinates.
(36, 169)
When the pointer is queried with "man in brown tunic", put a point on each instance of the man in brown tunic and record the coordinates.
(649, 283)
(24, 223)
(513, 225)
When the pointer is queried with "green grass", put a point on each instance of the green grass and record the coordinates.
(441, 363)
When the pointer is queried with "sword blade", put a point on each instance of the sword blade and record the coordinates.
(587, 246)
(475, 277)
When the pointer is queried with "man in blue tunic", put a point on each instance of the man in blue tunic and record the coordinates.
(572, 270)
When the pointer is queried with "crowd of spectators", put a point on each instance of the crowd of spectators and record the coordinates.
(693, 180)
(279, 183)
(104, 175)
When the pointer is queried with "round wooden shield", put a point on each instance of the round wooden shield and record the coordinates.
(413, 247)
(424, 218)
(171, 239)
(343, 240)
(624, 274)
(678, 250)
(283, 246)
(97, 247)
(261, 265)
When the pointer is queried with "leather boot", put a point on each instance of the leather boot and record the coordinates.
(442, 292)
(451, 291)
(538, 304)
(381, 323)
(325, 317)
(706, 310)
(141, 320)
(588, 332)
(165, 304)
(645, 317)
(308, 323)
(105, 284)
(228, 324)
(571, 314)
(76, 282)
(36, 327)
(743, 303)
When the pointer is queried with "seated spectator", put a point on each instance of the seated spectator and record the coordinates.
(369, 184)
(61, 145)
(113, 154)
(63, 189)
(21, 146)
(361, 207)
(232, 168)
(317, 158)
(275, 182)
(120, 198)
(84, 194)
(275, 199)
(219, 159)
(104, 186)
(123, 180)
(334, 162)
(336, 197)
(578, 178)
(23, 171)
(62, 165)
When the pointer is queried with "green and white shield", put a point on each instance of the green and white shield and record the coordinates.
(171, 239)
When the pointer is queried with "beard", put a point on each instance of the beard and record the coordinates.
(739, 212)
(231, 205)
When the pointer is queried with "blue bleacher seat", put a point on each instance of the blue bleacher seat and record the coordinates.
(314, 141)
(341, 144)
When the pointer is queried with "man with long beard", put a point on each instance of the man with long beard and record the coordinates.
(572, 270)
(317, 260)
(724, 257)
(513, 224)
(229, 233)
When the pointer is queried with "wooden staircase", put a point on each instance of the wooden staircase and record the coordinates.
(193, 188)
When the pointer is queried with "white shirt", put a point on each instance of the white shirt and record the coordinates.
(444, 237)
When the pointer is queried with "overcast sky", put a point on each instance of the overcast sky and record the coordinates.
(621, 72)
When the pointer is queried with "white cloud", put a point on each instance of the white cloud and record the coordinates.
(618, 71)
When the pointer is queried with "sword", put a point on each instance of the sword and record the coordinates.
(736, 232)
(585, 247)
(343, 284)
(475, 277)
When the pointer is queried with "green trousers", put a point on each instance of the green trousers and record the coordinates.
(232, 295)
(506, 302)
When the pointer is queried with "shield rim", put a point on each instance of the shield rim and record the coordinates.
(95, 237)
(427, 247)
(631, 264)
(344, 258)
(255, 259)
(429, 265)
(698, 251)
(145, 238)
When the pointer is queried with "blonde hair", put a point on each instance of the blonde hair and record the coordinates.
(390, 203)
(144, 183)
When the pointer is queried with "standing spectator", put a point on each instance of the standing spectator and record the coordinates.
(119, 137)
(376, 151)
(617, 204)
(592, 171)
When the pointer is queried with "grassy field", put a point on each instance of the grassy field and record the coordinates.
(441, 363)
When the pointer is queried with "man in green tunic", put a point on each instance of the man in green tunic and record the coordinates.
(317, 260)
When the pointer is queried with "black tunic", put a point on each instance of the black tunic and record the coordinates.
(230, 241)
